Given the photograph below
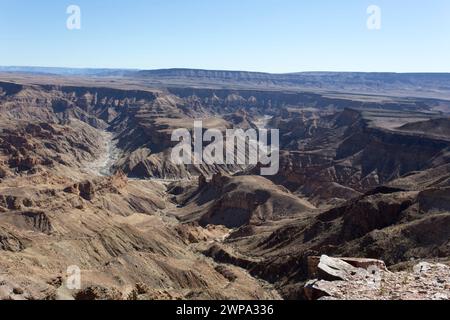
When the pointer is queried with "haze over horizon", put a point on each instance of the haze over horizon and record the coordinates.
(259, 36)
(23, 67)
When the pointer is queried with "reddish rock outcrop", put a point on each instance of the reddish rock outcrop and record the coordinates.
(3, 172)
(85, 189)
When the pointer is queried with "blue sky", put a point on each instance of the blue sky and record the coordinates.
(254, 35)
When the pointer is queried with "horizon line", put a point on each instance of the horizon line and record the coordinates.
(219, 70)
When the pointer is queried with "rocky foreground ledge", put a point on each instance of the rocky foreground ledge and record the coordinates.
(369, 279)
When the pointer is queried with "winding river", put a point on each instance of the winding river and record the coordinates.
(103, 165)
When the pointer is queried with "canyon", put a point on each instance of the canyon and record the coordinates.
(86, 179)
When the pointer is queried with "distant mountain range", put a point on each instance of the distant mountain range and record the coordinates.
(220, 74)
(67, 71)
(417, 84)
